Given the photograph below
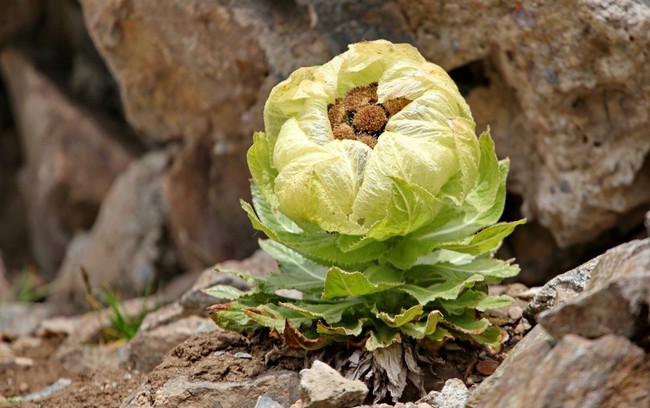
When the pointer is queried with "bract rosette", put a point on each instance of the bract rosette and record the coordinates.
(381, 206)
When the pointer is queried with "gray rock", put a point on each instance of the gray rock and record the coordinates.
(180, 391)
(205, 220)
(126, 248)
(616, 300)
(71, 160)
(266, 402)
(606, 372)
(529, 352)
(453, 395)
(560, 289)
(324, 387)
(629, 259)
(22, 319)
(620, 307)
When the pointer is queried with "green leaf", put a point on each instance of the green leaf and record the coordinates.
(224, 292)
(484, 241)
(482, 207)
(303, 272)
(410, 207)
(340, 283)
(441, 334)
(491, 269)
(264, 319)
(341, 330)
(317, 244)
(472, 299)
(420, 330)
(407, 316)
(445, 255)
(494, 270)
(231, 316)
(494, 302)
(383, 274)
(269, 214)
(466, 323)
(382, 336)
(330, 312)
(467, 300)
(492, 337)
(275, 317)
(448, 289)
(260, 164)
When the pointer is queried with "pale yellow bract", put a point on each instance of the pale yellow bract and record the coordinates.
(426, 159)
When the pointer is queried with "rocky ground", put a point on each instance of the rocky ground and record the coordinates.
(123, 131)
(590, 344)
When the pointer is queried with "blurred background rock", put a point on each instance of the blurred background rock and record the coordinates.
(124, 124)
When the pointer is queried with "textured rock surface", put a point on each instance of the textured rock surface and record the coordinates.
(453, 395)
(606, 372)
(625, 260)
(70, 161)
(621, 308)
(561, 288)
(205, 58)
(527, 353)
(206, 369)
(126, 248)
(201, 188)
(590, 349)
(616, 301)
(149, 345)
(180, 392)
(324, 387)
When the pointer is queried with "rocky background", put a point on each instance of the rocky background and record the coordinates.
(124, 124)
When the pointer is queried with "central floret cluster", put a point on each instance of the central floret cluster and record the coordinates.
(359, 116)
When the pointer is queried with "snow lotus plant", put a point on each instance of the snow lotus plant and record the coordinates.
(381, 207)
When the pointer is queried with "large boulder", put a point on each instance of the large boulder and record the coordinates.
(70, 163)
(564, 86)
(591, 346)
(127, 248)
(205, 219)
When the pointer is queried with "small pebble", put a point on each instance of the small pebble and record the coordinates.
(23, 362)
(267, 402)
(515, 312)
(127, 377)
(219, 353)
(243, 355)
(487, 367)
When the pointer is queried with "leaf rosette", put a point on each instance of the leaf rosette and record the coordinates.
(381, 205)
